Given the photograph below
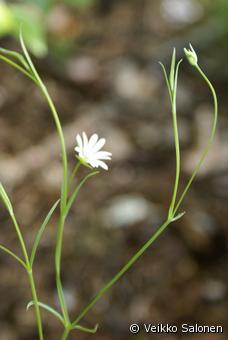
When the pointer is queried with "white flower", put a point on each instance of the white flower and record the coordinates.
(191, 55)
(89, 150)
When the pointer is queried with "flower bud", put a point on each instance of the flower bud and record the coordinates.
(191, 55)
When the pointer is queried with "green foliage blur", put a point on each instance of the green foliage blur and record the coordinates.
(31, 15)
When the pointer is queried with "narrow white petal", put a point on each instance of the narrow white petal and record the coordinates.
(93, 163)
(85, 140)
(96, 158)
(102, 165)
(103, 155)
(99, 145)
(89, 150)
(79, 140)
(77, 148)
(93, 140)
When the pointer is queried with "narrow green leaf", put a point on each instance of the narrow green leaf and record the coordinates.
(175, 79)
(172, 70)
(178, 216)
(17, 66)
(40, 232)
(73, 174)
(27, 56)
(177, 143)
(76, 191)
(87, 330)
(5, 199)
(15, 55)
(9, 252)
(47, 308)
(167, 81)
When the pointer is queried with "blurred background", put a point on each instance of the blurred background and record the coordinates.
(99, 59)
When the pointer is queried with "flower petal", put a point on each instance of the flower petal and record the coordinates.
(102, 155)
(102, 165)
(93, 140)
(85, 140)
(93, 163)
(79, 141)
(99, 145)
(78, 149)
(89, 150)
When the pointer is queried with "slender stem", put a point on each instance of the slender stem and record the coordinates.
(74, 195)
(20, 237)
(122, 271)
(74, 173)
(58, 254)
(65, 334)
(64, 194)
(59, 247)
(57, 123)
(36, 305)
(64, 189)
(176, 142)
(211, 138)
(30, 275)
(177, 151)
(63, 146)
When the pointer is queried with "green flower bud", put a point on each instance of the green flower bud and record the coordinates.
(191, 55)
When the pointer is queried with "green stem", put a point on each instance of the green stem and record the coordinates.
(64, 194)
(176, 142)
(56, 120)
(122, 271)
(21, 239)
(64, 189)
(74, 173)
(36, 305)
(65, 334)
(30, 275)
(58, 254)
(211, 138)
(177, 151)
(74, 195)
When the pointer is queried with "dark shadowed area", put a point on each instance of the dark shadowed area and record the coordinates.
(102, 70)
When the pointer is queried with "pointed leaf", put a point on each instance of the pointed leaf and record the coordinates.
(87, 330)
(41, 231)
(15, 55)
(27, 56)
(172, 70)
(166, 80)
(5, 199)
(175, 80)
(47, 308)
(18, 67)
(9, 252)
(178, 216)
